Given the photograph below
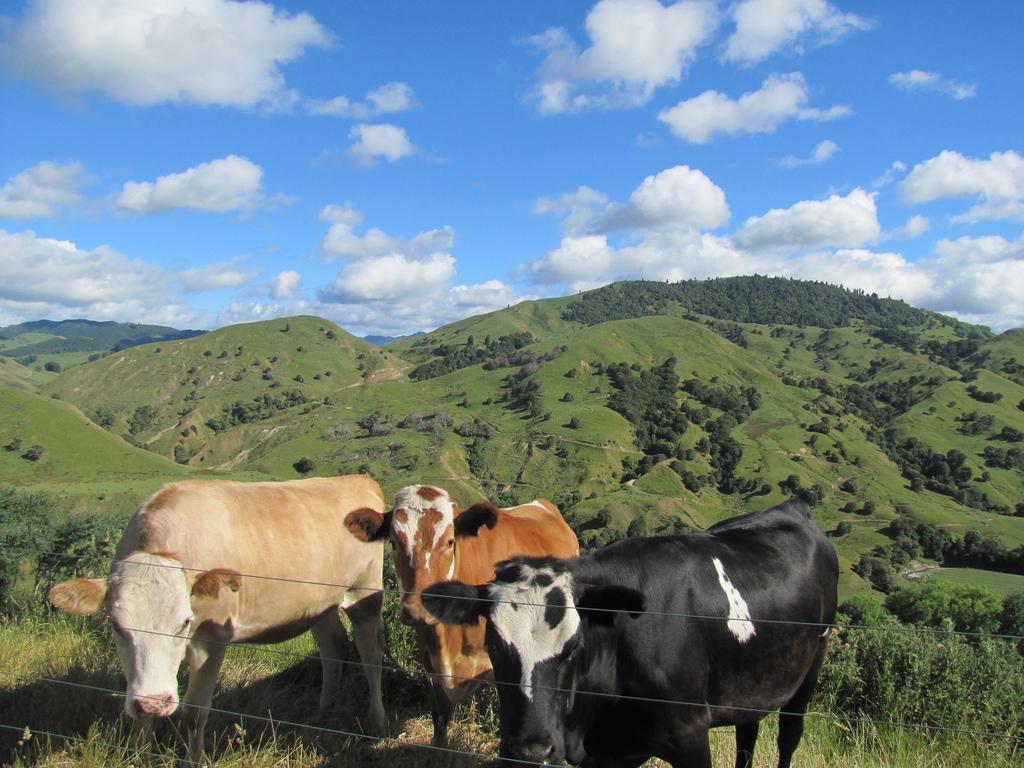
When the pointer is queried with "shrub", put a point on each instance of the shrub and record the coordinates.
(52, 366)
(104, 417)
(304, 465)
(142, 418)
(35, 453)
(25, 532)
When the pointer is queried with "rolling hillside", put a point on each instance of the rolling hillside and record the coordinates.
(663, 417)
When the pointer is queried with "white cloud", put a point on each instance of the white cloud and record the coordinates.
(217, 275)
(370, 142)
(208, 52)
(837, 221)
(484, 297)
(888, 274)
(678, 197)
(342, 241)
(780, 98)
(387, 99)
(36, 192)
(390, 278)
(889, 176)
(822, 152)
(635, 47)
(998, 182)
(229, 184)
(916, 226)
(982, 277)
(578, 208)
(919, 80)
(582, 262)
(43, 277)
(285, 284)
(766, 26)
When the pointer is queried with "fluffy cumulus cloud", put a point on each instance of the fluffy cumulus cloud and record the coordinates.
(766, 26)
(919, 80)
(998, 184)
(780, 98)
(849, 221)
(577, 209)
(285, 284)
(679, 197)
(396, 285)
(981, 279)
(387, 99)
(43, 277)
(341, 239)
(38, 192)
(822, 152)
(635, 47)
(217, 275)
(371, 143)
(230, 184)
(888, 274)
(209, 52)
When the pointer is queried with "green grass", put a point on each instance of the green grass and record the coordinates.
(1000, 583)
(42, 660)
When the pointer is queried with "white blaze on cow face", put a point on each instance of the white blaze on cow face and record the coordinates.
(423, 534)
(150, 610)
(536, 616)
(739, 614)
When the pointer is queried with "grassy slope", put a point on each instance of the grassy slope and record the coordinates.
(191, 381)
(13, 375)
(82, 465)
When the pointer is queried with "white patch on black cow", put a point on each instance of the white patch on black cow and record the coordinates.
(739, 615)
(536, 616)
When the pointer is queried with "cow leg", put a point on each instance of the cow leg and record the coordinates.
(791, 715)
(690, 748)
(441, 713)
(746, 736)
(368, 633)
(204, 663)
(329, 634)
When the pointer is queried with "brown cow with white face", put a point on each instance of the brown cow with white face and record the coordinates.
(434, 540)
(205, 563)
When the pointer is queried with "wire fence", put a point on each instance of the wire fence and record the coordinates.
(1016, 740)
(667, 614)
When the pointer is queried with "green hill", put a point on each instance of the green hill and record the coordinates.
(166, 396)
(84, 466)
(659, 417)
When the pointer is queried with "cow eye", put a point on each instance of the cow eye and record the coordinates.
(185, 624)
(451, 543)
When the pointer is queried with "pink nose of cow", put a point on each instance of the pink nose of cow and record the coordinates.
(159, 705)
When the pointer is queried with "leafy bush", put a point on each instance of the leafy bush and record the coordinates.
(142, 418)
(25, 531)
(52, 366)
(936, 680)
(304, 465)
(934, 603)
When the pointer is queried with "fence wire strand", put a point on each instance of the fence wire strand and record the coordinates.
(666, 614)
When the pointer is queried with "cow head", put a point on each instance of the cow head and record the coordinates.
(538, 617)
(154, 606)
(423, 527)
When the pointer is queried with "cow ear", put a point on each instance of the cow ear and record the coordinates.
(602, 605)
(452, 602)
(78, 595)
(470, 520)
(368, 524)
(211, 583)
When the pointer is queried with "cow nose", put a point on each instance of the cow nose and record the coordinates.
(159, 705)
(537, 751)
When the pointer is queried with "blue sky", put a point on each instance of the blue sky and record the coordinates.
(394, 166)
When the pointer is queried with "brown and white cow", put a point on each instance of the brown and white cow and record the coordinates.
(433, 540)
(205, 563)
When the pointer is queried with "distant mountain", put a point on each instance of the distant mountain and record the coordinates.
(48, 337)
(380, 341)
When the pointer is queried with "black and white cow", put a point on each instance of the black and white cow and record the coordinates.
(704, 619)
